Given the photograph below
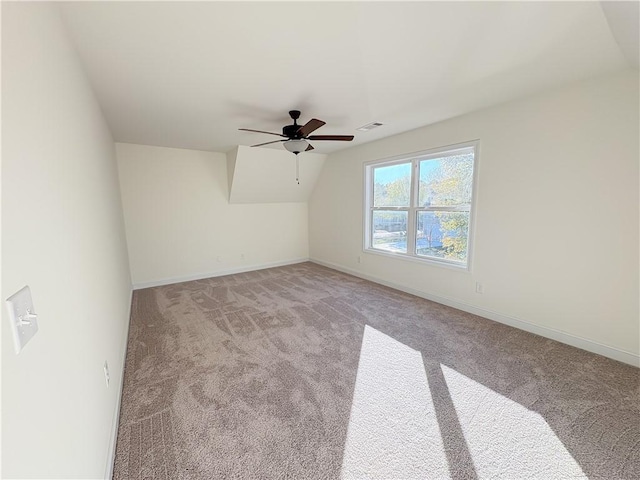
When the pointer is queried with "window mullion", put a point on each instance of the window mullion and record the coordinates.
(411, 214)
(463, 208)
(391, 209)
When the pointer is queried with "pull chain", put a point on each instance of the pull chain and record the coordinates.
(298, 169)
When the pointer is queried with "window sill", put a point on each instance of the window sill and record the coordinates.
(420, 260)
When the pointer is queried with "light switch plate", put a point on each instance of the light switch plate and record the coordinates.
(23, 318)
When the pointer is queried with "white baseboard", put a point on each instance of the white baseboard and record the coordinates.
(217, 273)
(111, 455)
(562, 337)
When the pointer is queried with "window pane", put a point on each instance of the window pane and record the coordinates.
(390, 231)
(392, 185)
(446, 181)
(443, 235)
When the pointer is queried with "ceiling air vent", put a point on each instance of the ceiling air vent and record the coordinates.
(369, 126)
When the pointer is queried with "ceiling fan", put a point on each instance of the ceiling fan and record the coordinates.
(295, 137)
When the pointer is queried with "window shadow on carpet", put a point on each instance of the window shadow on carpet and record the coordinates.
(304, 372)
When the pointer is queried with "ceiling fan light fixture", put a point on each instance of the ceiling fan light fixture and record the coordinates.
(296, 146)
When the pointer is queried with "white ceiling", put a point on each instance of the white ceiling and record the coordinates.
(188, 75)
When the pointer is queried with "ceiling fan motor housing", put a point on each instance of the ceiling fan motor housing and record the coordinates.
(291, 131)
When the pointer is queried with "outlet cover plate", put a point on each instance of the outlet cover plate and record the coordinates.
(22, 315)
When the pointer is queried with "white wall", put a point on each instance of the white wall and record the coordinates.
(556, 238)
(179, 220)
(63, 235)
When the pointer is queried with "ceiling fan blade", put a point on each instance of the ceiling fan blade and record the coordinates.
(310, 126)
(267, 143)
(343, 138)
(310, 147)
(261, 131)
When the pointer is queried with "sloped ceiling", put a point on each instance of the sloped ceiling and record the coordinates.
(624, 21)
(263, 175)
(189, 74)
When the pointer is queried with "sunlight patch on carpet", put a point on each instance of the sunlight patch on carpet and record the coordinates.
(393, 431)
(505, 439)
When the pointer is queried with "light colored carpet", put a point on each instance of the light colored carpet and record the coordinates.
(303, 372)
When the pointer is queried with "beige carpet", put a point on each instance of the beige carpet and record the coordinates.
(303, 372)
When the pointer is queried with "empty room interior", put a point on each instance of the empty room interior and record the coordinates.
(320, 240)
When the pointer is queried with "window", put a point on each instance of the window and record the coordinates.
(420, 206)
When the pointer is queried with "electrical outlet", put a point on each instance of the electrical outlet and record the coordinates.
(106, 373)
(479, 288)
(359, 259)
(242, 256)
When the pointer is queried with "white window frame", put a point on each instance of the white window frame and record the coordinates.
(413, 208)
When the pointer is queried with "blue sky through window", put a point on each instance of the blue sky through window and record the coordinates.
(389, 174)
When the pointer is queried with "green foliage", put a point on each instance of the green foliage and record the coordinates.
(393, 194)
(379, 194)
(455, 226)
(450, 185)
